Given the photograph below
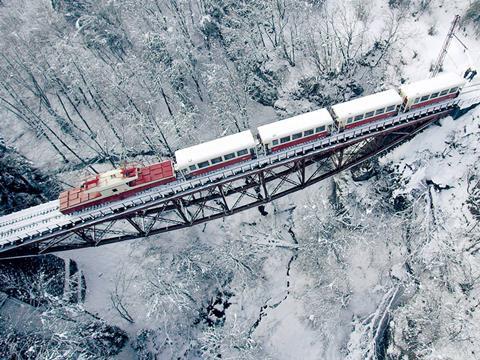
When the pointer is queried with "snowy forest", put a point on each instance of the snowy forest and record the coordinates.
(378, 262)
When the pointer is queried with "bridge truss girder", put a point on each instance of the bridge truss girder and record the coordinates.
(225, 198)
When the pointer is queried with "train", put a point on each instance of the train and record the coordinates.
(232, 149)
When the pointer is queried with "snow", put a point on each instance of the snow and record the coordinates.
(286, 331)
(366, 104)
(420, 50)
(307, 121)
(429, 86)
(286, 335)
(445, 154)
(212, 149)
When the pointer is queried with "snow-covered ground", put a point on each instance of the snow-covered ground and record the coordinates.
(290, 323)
(444, 154)
(303, 294)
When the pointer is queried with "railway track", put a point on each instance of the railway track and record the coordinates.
(28, 213)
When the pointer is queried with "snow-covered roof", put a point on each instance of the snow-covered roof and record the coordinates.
(426, 87)
(295, 124)
(367, 103)
(211, 149)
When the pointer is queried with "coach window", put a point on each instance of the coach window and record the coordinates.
(380, 111)
(434, 95)
(229, 156)
(203, 164)
(192, 167)
(390, 108)
(284, 140)
(417, 100)
(349, 120)
(424, 98)
(307, 132)
(242, 152)
(369, 114)
(275, 142)
(296, 136)
(320, 129)
(358, 117)
(453, 90)
(216, 160)
(444, 92)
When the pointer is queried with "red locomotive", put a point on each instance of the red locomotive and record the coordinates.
(115, 185)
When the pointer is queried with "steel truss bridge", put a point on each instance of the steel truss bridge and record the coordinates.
(43, 229)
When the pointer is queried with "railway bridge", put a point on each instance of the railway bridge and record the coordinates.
(44, 229)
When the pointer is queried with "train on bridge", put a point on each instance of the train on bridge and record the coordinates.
(226, 151)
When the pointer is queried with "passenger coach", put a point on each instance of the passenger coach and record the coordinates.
(215, 154)
(429, 91)
(366, 109)
(295, 130)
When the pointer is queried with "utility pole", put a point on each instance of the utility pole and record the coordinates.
(446, 44)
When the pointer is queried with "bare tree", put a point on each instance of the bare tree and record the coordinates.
(119, 293)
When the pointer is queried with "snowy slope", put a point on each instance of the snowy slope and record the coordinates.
(307, 318)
